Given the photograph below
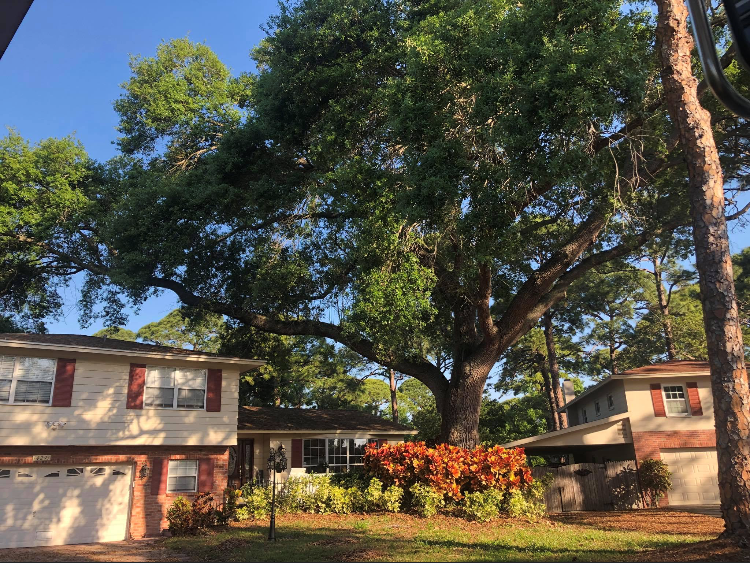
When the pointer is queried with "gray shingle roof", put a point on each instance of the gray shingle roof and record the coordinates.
(96, 342)
(275, 419)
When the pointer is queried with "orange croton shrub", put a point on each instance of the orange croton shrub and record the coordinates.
(449, 469)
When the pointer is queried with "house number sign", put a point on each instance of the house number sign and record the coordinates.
(41, 457)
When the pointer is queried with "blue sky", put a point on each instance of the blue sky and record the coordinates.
(65, 64)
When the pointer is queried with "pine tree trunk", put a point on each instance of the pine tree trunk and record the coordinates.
(666, 321)
(394, 402)
(554, 369)
(725, 349)
(553, 422)
(461, 404)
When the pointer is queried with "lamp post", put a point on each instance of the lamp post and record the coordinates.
(276, 462)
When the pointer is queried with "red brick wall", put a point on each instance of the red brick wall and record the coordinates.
(148, 512)
(648, 445)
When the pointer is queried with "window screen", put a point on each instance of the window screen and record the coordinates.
(182, 476)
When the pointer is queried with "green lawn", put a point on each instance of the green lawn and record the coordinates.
(582, 537)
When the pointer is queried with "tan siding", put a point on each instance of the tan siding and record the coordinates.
(97, 415)
(642, 417)
(614, 388)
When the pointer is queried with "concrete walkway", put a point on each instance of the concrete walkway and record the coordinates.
(133, 550)
(707, 509)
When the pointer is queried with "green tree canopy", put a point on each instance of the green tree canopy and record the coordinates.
(386, 179)
(116, 332)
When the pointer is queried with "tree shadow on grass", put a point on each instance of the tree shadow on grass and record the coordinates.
(656, 521)
(345, 544)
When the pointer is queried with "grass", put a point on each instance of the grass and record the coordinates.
(590, 537)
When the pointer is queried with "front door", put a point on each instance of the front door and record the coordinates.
(245, 460)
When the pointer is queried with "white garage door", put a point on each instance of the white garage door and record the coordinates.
(695, 475)
(62, 504)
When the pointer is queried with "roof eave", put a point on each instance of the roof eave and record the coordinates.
(569, 430)
(332, 431)
(239, 362)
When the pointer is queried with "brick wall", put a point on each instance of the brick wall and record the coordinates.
(148, 511)
(648, 445)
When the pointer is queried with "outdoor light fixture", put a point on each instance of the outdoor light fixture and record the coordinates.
(143, 473)
(55, 424)
(276, 463)
(738, 17)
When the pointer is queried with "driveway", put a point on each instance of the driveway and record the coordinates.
(707, 509)
(133, 550)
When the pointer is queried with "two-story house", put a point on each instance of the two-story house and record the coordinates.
(663, 411)
(99, 436)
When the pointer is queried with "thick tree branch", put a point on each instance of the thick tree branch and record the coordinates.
(422, 370)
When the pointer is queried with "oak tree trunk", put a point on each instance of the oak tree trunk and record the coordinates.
(554, 369)
(666, 321)
(394, 402)
(725, 349)
(462, 402)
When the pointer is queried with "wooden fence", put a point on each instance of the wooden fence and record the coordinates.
(592, 486)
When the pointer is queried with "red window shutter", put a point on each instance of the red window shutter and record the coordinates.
(213, 391)
(695, 400)
(382, 442)
(297, 452)
(658, 400)
(159, 469)
(63, 389)
(205, 475)
(136, 385)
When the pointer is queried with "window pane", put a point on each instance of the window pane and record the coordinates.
(179, 467)
(159, 397)
(674, 392)
(337, 451)
(5, 390)
(313, 452)
(182, 475)
(159, 376)
(36, 369)
(181, 484)
(677, 406)
(6, 366)
(357, 450)
(33, 392)
(190, 398)
(191, 378)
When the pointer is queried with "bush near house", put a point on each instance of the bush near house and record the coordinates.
(479, 484)
(656, 480)
(449, 470)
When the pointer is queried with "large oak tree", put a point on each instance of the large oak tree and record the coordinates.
(387, 179)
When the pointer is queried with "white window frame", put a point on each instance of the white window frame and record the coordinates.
(584, 417)
(611, 402)
(597, 409)
(684, 398)
(326, 449)
(197, 471)
(176, 389)
(14, 379)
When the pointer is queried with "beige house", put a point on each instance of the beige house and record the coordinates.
(315, 440)
(99, 436)
(663, 411)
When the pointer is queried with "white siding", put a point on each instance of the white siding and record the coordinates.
(97, 415)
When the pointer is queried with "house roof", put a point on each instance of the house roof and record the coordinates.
(597, 432)
(276, 419)
(82, 343)
(674, 368)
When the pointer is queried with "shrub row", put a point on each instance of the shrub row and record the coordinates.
(478, 484)
(449, 470)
